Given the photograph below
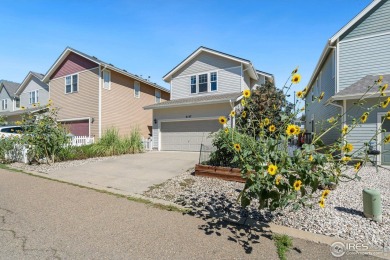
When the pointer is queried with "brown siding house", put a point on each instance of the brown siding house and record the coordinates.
(90, 104)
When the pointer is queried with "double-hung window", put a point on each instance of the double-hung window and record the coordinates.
(137, 89)
(213, 81)
(107, 79)
(34, 97)
(202, 83)
(193, 84)
(4, 104)
(71, 83)
(157, 94)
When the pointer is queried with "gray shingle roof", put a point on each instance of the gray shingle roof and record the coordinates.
(198, 100)
(10, 87)
(38, 75)
(23, 111)
(361, 86)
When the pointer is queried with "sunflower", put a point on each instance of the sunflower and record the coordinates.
(321, 96)
(277, 179)
(331, 120)
(385, 103)
(296, 78)
(297, 130)
(246, 93)
(233, 113)
(261, 124)
(363, 118)
(344, 130)
(347, 148)
(295, 70)
(290, 130)
(22, 108)
(358, 166)
(237, 147)
(380, 79)
(18, 123)
(346, 159)
(321, 203)
(272, 169)
(226, 130)
(311, 158)
(266, 121)
(387, 139)
(388, 115)
(325, 194)
(300, 94)
(272, 128)
(243, 103)
(243, 114)
(297, 185)
(383, 88)
(222, 120)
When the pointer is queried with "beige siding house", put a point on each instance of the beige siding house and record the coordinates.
(206, 85)
(93, 96)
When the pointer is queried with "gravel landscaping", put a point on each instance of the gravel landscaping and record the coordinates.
(342, 217)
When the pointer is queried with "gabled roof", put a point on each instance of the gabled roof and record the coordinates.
(195, 101)
(360, 88)
(245, 62)
(10, 87)
(107, 65)
(333, 40)
(27, 79)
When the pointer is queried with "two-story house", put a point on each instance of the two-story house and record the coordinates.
(205, 85)
(33, 92)
(9, 101)
(93, 95)
(350, 62)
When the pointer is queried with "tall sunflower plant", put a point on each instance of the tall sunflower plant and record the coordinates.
(278, 176)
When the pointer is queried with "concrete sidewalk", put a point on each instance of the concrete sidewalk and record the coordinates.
(128, 174)
(44, 219)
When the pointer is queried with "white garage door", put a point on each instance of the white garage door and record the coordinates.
(187, 135)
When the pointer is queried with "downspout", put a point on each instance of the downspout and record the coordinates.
(100, 99)
(344, 116)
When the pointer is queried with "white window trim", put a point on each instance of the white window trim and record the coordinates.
(109, 77)
(139, 90)
(4, 104)
(71, 83)
(208, 82)
(155, 95)
(36, 97)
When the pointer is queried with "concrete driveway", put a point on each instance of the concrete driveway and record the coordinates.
(129, 174)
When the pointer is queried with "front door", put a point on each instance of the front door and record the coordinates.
(385, 153)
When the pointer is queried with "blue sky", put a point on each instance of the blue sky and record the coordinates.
(149, 38)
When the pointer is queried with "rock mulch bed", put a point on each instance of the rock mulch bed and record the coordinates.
(342, 217)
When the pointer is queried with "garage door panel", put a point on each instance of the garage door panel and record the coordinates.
(187, 135)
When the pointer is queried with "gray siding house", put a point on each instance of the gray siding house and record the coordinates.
(33, 92)
(9, 101)
(350, 62)
(205, 85)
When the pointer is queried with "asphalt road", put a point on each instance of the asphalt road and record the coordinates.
(44, 219)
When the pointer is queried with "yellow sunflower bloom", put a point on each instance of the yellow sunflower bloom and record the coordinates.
(331, 120)
(277, 179)
(296, 78)
(325, 193)
(321, 203)
(266, 121)
(272, 128)
(385, 103)
(246, 93)
(243, 114)
(347, 148)
(18, 123)
(297, 130)
(243, 103)
(311, 158)
(297, 185)
(344, 130)
(321, 96)
(383, 88)
(226, 130)
(388, 115)
(290, 130)
(272, 169)
(261, 124)
(380, 78)
(346, 159)
(387, 139)
(363, 118)
(233, 113)
(22, 108)
(358, 166)
(237, 147)
(300, 94)
(222, 120)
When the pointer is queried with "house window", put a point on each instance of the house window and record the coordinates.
(137, 89)
(34, 97)
(213, 81)
(157, 95)
(17, 102)
(71, 83)
(203, 83)
(4, 104)
(193, 84)
(107, 79)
